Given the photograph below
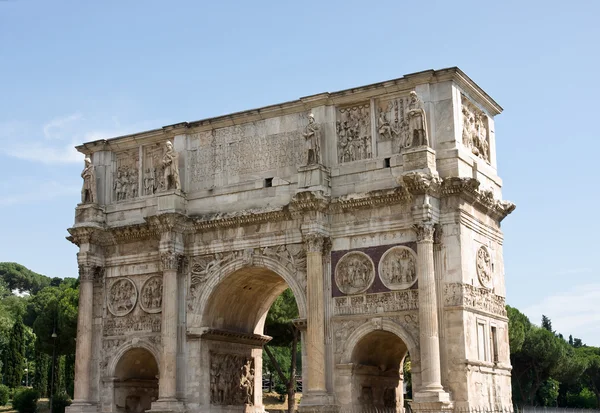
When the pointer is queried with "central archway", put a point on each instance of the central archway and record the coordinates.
(233, 318)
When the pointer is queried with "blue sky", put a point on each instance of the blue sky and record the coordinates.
(74, 71)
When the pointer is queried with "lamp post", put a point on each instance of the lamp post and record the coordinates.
(53, 363)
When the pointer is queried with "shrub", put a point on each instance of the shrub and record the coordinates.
(25, 400)
(3, 395)
(59, 402)
(281, 390)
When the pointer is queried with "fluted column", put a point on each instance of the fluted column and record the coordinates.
(167, 389)
(438, 262)
(83, 353)
(315, 332)
(431, 387)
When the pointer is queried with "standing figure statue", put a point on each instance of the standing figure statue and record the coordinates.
(88, 191)
(417, 124)
(170, 163)
(311, 134)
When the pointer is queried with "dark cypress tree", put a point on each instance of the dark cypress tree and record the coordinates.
(15, 360)
(40, 379)
(70, 374)
(547, 324)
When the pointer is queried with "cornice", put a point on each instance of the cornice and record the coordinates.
(309, 201)
(246, 217)
(258, 340)
(419, 183)
(398, 195)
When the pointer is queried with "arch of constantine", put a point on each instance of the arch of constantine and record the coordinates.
(378, 206)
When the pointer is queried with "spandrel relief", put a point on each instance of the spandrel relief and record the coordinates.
(354, 273)
(122, 297)
(125, 178)
(353, 129)
(398, 268)
(231, 379)
(475, 129)
(151, 295)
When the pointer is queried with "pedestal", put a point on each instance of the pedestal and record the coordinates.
(172, 201)
(314, 178)
(89, 214)
(421, 159)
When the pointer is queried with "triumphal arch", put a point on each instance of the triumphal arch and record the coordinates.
(378, 206)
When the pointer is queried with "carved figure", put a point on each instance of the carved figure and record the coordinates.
(151, 295)
(417, 124)
(231, 379)
(122, 297)
(475, 130)
(149, 181)
(398, 268)
(385, 130)
(312, 136)
(88, 190)
(354, 273)
(354, 134)
(484, 267)
(170, 163)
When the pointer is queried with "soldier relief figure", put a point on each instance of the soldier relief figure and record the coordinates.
(354, 273)
(88, 191)
(313, 145)
(231, 379)
(151, 296)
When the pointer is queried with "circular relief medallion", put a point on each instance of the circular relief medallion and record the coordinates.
(122, 297)
(484, 267)
(354, 273)
(398, 268)
(151, 295)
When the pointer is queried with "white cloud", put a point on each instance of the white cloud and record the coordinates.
(574, 311)
(55, 129)
(44, 191)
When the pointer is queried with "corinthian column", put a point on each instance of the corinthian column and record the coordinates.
(168, 362)
(431, 388)
(315, 330)
(83, 354)
(438, 261)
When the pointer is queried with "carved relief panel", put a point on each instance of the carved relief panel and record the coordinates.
(152, 180)
(122, 297)
(151, 295)
(231, 379)
(354, 273)
(125, 178)
(398, 268)
(353, 127)
(484, 267)
(475, 129)
(392, 125)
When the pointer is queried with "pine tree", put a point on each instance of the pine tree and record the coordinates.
(547, 324)
(15, 360)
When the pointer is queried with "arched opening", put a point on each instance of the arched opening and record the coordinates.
(377, 374)
(136, 381)
(234, 337)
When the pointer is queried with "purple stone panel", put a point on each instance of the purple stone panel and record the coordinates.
(375, 253)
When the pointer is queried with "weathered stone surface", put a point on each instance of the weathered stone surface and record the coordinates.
(363, 202)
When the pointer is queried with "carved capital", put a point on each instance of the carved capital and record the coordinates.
(170, 260)
(424, 232)
(81, 235)
(309, 201)
(419, 183)
(86, 272)
(165, 223)
(314, 242)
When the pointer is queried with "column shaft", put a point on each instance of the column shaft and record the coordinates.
(428, 313)
(439, 288)
(168, 363)
(83, 353)
(315, 334)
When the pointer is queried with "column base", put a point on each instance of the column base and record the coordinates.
(318, 402)
(79, 406)
(166, 406)
(434, 397)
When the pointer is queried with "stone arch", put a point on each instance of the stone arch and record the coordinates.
(385, 325)
(131, 345)
(255, 264)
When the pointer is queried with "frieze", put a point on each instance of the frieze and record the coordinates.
(393, 301)
(354, 133)
(484, 267)
(132, 324)
(125, 178)
(475, 129)
(231, 379)
(398, 268)
(122, 297)
(354, 273)
(151, 295)
(481, 299)
(373, 240)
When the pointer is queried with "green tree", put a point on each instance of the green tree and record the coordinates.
(547, 324)
(18, 277)
(14, 360)
(279, 324)
(518, 325)
(591, 374)
(40, 379)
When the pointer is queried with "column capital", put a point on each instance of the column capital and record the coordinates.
(170, 260)
(424, 232)
(316, 242)
(81, 235)
(90, 272)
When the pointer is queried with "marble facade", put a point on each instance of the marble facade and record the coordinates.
(379, 206)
